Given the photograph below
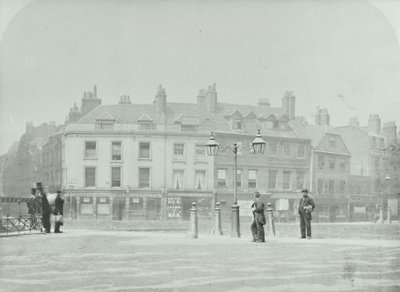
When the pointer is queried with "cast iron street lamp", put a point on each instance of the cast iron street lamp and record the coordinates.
(258, 147)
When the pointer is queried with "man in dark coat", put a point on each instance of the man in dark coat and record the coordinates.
(257, 226)
(46, 209)
(58, 210)
(306, 206)
(31, 204)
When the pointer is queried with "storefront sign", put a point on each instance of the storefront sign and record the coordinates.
(189, 195)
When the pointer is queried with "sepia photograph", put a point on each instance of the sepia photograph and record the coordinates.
(199, 145)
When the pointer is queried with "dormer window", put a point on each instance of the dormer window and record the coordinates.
(237, 124)
(269, 125)
(332, 142)
(146, 126)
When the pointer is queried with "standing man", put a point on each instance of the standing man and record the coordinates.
(31, 204)
(257, 226)
(46, 209)
(306, 206)
(58, 210)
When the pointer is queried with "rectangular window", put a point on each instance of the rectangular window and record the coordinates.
(237, 124)
(331, 186)
(320, 186)
(200, 180)
(286, 150)
(178, 179)
(300, 180)
(144, 150)
(269, 125)
(321, 161)
(301, 151)
(147, 126)
(90, 177)
(272, 179)
(252, 179)
(221, 178)
(90, 149)
(238, 178)
(332, 164)
(144, 177)
(286, 180)
(273, 149)
(179, 151)
(200, 152)
(342, 186)
(116, 151)
(116, 176)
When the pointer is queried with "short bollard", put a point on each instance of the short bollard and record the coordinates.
(271, 223)
(389, 218)
(380, 215)
(193, 233)
(217, 224)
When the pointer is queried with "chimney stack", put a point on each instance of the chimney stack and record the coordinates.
(289, 104)
(161, 100)
(125, 99)
(322, 118)
(212, 98)
(389, 129)
(89, 101)
(201, 98)
(374, 124)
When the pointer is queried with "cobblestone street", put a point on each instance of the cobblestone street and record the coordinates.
(91, 260)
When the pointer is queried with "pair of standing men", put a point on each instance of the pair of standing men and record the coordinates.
(306, 206)
(46, 209)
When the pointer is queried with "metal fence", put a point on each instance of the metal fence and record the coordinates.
(20, 216)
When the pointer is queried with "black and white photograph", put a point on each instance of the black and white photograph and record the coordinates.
(199, 145)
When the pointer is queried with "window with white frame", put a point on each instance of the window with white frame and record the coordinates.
(331, 186)
(90, 177)
(238, 178)
(237, 124)
(320, 186)
(177, 179)
(221, 175)
(144, 150)
(287, 151)
(144, 177)
(200, 180)
(116, 176)
(273, 150)
(179, 151)
(116, 151)
(90, 149)
(200, 152)
(252, 179)
(272, 179)
(321, 161)
(332, 142)
(332, 163)
(300, 180)
(301, 151)
(286, 180)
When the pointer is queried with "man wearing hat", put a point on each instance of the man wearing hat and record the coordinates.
(306, 206)
(46, 209)
(58, 210)
(257, 226)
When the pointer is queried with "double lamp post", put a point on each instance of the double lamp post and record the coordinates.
(257, 147)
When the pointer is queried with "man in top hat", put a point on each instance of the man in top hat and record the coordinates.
(46, 209)
(306, 206)
(58, 210)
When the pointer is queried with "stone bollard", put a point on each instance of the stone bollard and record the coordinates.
(217, 224)
(194, 230)
(235, 228)
(389, 218)
(380, 214)
(271, 223)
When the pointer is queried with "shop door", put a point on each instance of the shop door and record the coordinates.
(118, 208)
(153, 209)
(186, 206)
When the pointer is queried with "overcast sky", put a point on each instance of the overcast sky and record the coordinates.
(343, 55)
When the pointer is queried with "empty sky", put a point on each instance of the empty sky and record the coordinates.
(343, 55)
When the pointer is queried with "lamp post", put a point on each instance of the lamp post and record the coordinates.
(258, 146)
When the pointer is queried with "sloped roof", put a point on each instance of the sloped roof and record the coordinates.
(313, 132)
(105, 116)
(131, 113)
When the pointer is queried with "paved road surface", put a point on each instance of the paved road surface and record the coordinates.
(90, 260)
